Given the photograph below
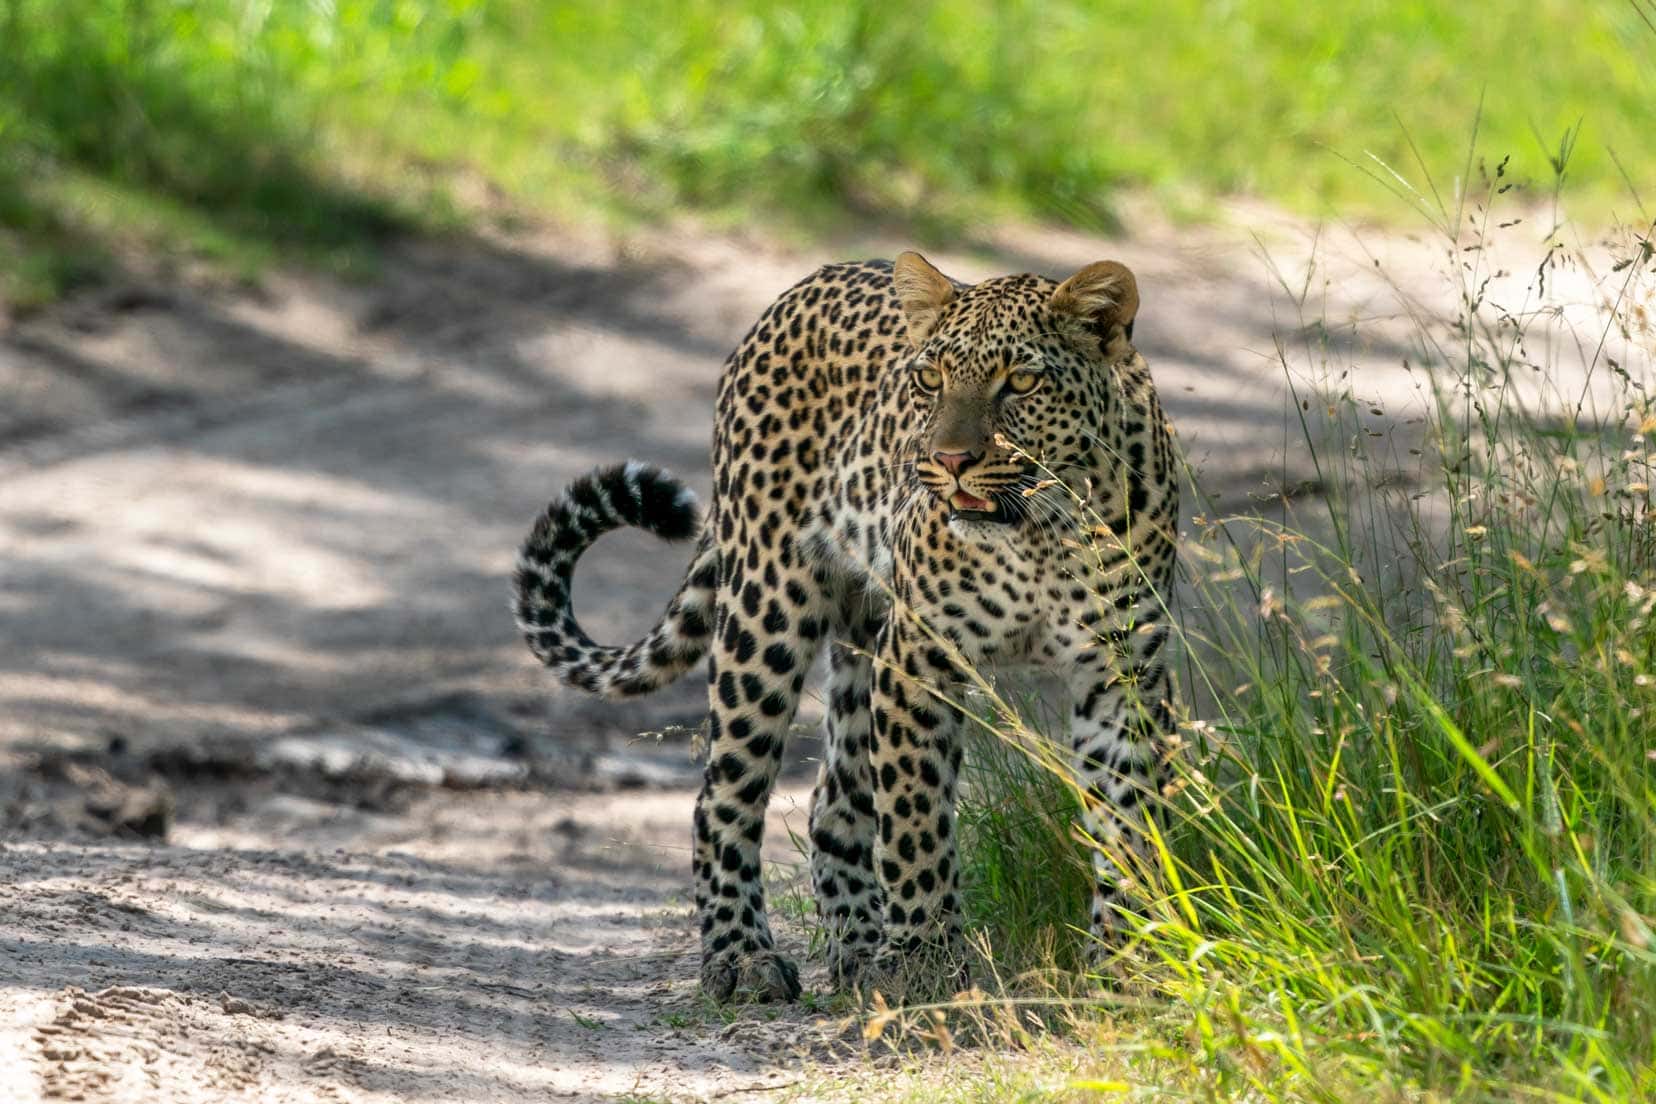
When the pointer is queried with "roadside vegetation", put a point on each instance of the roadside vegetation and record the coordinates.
(238, 132)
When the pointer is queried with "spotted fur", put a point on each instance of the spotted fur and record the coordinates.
(923, 477)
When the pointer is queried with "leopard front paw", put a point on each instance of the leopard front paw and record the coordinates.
(749, 977)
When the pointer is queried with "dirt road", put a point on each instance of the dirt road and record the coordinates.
(253, 558)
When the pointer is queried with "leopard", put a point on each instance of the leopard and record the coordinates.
(929, 479)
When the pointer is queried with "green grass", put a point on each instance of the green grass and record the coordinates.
(1025, 880)
(1412, 843)
(190, 127)
(249, 131)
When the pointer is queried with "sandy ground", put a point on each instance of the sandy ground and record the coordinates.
(466, 946)
(288, 812)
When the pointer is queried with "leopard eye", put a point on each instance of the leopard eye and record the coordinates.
(1022, 383)
(928, 378)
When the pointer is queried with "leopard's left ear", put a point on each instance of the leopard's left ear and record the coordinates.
(923, 292)
(1101, 297)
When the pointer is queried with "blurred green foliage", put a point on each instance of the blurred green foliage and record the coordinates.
(244, 127)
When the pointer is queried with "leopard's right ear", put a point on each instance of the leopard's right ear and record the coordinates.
(1102, 298)
(923, 291)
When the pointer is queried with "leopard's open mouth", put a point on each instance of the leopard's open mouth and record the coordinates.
(966, 506)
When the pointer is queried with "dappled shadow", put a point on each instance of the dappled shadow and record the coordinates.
(280, 526)
(533, 966)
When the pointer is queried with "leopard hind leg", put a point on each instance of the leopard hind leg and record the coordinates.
(842, 823)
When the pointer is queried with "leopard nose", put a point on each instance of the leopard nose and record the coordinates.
(956, 462)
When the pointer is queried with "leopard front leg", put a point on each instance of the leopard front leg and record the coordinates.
(842, 818)
(914, 752)
(1119, 734)
(756, 673)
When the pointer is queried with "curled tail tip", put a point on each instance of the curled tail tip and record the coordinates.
(666, 506)
(632, 494)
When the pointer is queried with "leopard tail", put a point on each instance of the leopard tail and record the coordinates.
(634, 494)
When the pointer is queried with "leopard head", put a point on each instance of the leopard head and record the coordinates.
(1013, 378)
